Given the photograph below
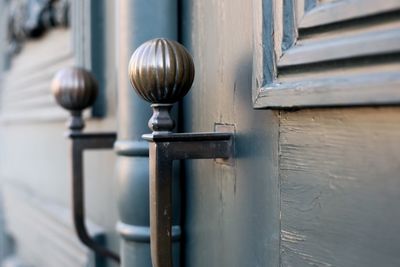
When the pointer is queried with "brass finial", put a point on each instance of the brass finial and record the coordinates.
(161, 72)
(74, 89)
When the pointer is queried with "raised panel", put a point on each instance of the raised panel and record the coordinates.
(341, 10)
(375, 41)
(314, 42)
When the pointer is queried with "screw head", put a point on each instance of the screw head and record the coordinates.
(161, 71)
(74, 88)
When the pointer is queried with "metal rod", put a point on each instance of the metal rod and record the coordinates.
(136, 22)
(160, 208)
(79, 143)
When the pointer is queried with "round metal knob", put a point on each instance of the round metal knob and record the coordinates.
(161, 71)
(74, 89)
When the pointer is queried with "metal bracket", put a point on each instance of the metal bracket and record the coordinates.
(162, 71)
(76, 89)
(165, 148)
(79, 143)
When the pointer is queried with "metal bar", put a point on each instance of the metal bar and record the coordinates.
(162, 154)
(198, 149)
(174, 137)
(79, 143)
(137, 21)
(160, 208)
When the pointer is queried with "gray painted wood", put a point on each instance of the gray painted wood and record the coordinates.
(339, 173)
(33, 148)
(345, 90)
(343, 45)
(26, 94)
(43, 231)
(264, 49)
(3, 35)
(5, 247)
(231, 214)
(28, 80)
(335, 11)
(293, 53)
(81, 34)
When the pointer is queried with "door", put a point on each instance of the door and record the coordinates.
(315, 181)
(232, 210)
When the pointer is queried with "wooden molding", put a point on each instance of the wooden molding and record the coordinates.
(290, 39)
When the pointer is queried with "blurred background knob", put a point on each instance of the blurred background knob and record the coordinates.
(74, 88)
(161, 71)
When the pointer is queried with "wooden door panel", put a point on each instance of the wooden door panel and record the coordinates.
(382, 39)
(325, 12)
(353, 39)
(296, 41)
(231, 213)
(339, 171)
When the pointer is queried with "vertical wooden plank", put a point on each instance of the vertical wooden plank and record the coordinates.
(258, 48)
(265, 50)
(232, 212)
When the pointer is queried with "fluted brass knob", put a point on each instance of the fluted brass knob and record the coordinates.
(161, 71)
(74, 89)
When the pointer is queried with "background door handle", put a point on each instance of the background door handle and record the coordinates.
(76, 89)
(162, 72)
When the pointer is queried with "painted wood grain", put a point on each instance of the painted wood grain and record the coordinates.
(340, 184)
(364, 44)
(348, 90)
(294, 50)
(43, 231)
(26, 90)
(231, 213)
(335, 11)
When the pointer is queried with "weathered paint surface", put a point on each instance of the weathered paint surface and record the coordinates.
(340, 184)
(231, 212)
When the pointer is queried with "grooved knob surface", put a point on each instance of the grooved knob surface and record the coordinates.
(74, 88)
(161, 71)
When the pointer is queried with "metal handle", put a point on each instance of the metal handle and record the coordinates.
(162, 72)
(79, 143)
(75, 89)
